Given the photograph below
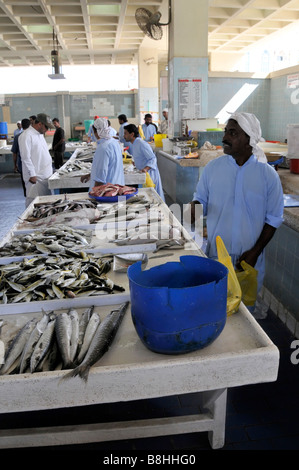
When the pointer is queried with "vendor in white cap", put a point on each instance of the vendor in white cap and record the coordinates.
(164, 122)
(107, 165)
(241, 196)
(18, 130)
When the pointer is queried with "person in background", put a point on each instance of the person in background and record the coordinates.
(15, 149)
(123, 121)
(36, 158)
(58, 144)
(32, 119)
(107, 164)
(241, 196)
(112, 131)
(18, 130)
(164, 123)
(90, 135)
(144, 158)
(149, 128)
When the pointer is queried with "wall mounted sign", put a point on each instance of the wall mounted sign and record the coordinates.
(189, 98)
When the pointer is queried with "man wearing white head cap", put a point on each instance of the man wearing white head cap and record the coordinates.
(164, 123)
(107, 165)
(18, 130)
(241, 196)
(251, 125)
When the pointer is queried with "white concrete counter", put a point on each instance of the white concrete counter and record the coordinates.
(241, 355)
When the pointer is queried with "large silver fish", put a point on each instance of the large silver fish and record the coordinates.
(74, 333)
(43, 346)
(89, 334)
(16, 348)
(101, 342)
(32, 342)
(63, 330)
(83, 322)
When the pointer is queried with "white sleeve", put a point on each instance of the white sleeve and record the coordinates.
(25, 152)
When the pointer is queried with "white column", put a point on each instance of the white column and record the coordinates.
(148, 83)
(188, 55)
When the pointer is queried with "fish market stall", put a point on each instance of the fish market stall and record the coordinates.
(69, 175)
(130, 226)
(242, 354)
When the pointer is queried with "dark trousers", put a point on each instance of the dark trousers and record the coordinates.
(23, 183)
(58, 159)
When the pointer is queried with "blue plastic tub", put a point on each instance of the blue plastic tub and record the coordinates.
(3, 128)
(179, 307)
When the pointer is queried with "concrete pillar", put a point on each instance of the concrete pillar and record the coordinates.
(188, 60)
(64, 112)
(148, 83)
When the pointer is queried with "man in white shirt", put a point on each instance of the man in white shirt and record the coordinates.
(36, 159)
(19, 129)
(164, 123)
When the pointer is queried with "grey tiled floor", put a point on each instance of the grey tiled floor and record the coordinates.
(12, 201)
(259, 417)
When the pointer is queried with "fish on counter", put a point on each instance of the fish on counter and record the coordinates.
(101, 342)
(16, 347)
(149, 233)
(68, 275)
(62, 340)
(134, 208)
(111, 190)
(46, 209)
(75, 168)
(50, 240)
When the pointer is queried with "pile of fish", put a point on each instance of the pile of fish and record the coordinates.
(86, 154)
(68, 275)
(42, 209)
(75, 168)
(135, 207)
(111, 190)
(62, 211)
(170, 235)
(62, 340)
(54, 239)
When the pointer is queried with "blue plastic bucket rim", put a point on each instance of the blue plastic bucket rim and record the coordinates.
(138, 264)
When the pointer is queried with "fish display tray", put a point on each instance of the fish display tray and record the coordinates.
(149, 193)
(58, 304)
(76, 302)
(103, 247)
(68, 180)
(111, 198)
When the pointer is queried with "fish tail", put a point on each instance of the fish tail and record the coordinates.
(82, 371)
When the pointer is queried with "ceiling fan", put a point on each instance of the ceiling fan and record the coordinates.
(149, 22)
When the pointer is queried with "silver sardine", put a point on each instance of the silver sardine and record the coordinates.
(101, 342)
